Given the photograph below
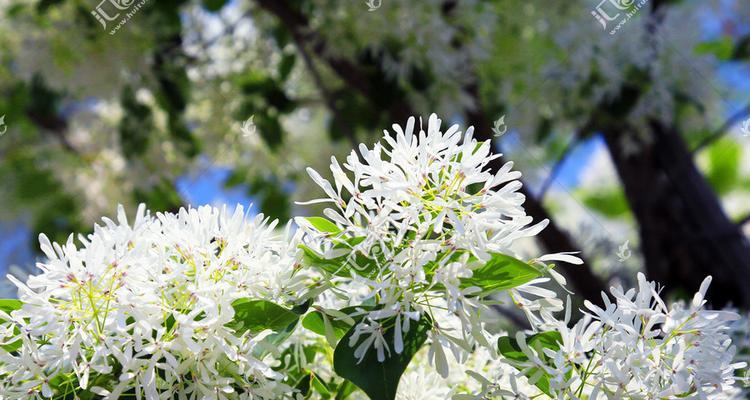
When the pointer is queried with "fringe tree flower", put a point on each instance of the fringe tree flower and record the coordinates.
(170, 306)
(426, 229)
(634, 348)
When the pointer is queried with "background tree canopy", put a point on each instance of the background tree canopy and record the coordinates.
(634, 140)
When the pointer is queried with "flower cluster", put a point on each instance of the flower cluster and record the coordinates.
(401, 272)
(426, 232)
(147, 309)
(636, 348)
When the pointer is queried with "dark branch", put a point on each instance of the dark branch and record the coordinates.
(55, 126)
(556, 168)
(327, 95)
(717, 134)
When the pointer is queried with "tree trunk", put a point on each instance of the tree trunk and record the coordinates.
(685, 234)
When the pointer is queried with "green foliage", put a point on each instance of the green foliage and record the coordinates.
(722, 48)
(501, 272)
(136, 126)
(44, 101)
(161, 197)
(379, 379)
(43, 5)
(724, 158)
(268, 192)
(258, 315)
(610, 202)
(510, 349)
(312, 258)
(214, 5)
(56, 212)
(331, 327)
(286, 65)
(264, 97)
(10, 305)
(271, 197)
(742, 49)
(323, 225)
(355, 262)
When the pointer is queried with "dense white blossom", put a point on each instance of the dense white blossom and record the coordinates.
(143, 309)
(636, 347)
(415, 217)
(419, 234)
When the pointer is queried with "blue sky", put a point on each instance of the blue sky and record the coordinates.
(196, 189)
(208, 188)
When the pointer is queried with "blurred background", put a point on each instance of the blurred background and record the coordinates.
(629, 119)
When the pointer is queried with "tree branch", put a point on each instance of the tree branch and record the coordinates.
(56, 126)
(556, 168)
(327, 95)
(717, 134)
(299, 26)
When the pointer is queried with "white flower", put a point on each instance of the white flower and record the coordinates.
(414, 217)
(150, 302)
(637, 347)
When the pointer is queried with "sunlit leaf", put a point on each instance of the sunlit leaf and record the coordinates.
(379, 379)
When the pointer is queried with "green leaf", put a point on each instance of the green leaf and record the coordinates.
(323, 224)
(315, 322)
(609, 202)
(334, 266)
(258, 315)
(510, 349)
(286, 65)
(379, 379)
(304, 385)
(345, 390)
(301, 309)
(343, 265)
(9, 305)
(136, 126)
(270, 196)
(724, 159)
(319, 386)
(722, 48)
(214, 5)
(501, 272)
(348, 243)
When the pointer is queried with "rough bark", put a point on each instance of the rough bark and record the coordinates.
(685, 234)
